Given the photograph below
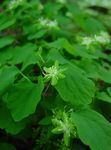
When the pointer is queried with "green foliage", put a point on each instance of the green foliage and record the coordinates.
(26, 103)
(8, 123)
(7, 76)
(81, 92)
(92, 126)
(5, 146)
(55, 75)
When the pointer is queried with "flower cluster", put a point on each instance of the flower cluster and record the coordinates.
(87, 41)
(102, 38)
(48, 23)
(53, 73)
(63, 124)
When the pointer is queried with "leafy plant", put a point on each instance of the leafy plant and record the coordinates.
(55, 75)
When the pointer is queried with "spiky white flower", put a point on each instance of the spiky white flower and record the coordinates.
(102, 38)
(52, 24)
(43, 21)
(54, 73)
(63, 124)
(87, 41)
(48, 23)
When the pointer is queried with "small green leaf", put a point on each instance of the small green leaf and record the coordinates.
(104, 97)
(6, 22)
(63, 43)
(4, 41)
(104, 74)
(37, 35)
(7, 76)
(46, 121)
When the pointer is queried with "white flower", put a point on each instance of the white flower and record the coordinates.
(87, 41)
(54, 73)
(48, 23)
(43, 21)
(52, 24)
(102, 38)
(62, 122)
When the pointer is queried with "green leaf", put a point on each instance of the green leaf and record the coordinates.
(6, 22)
(23, 98)
(97, 25)
(104, 74)
(75, 50)
(7, 76)
(63, 43)
(84, 21)
(52, 9)
(93, 129)
(96, 71)
(104, 97)
(37, 35)
(6, 146)
(46, 121)
(21, 54)
(55, 55)
(109, 91)
(82, 51)
(7, 122)
(6, 41)
(75, 87)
